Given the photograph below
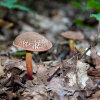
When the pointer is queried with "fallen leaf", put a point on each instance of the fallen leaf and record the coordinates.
(96, 58)
(39, 97)
(71, 78)
(95, 72)
(82, 76)
(57, 85)
(5, 24)
(1, 69)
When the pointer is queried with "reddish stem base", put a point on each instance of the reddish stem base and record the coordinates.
(29, 64)
(29, 77)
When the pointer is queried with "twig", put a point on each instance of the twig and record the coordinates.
(21, 84)
(85, 52)
(91, 45)
(53, 74)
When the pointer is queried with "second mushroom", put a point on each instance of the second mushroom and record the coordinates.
(71, 35)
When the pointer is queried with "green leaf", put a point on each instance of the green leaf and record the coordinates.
(20, 53)
(6, 5)
(76, 4)
(20, 7)
(97, 0)
(94, 5)
(80, 22)
(11, 4)
(10, 1)
(97, 16)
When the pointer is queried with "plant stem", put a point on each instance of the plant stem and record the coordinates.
(71, 44)
(99, 27)
(29, 64)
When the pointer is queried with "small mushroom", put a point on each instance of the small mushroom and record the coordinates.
(31, 41)
(71, 35)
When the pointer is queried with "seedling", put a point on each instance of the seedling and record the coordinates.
(97, 16)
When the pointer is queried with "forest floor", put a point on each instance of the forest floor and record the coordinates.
(57, 74)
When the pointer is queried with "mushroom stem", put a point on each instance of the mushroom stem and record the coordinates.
(71, 44)
(29, 64)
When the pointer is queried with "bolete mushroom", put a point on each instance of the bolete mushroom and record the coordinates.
(71, 35)
(31, 41)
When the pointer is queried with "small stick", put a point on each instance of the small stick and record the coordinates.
(53, 74)
(21, 84)
(85, 52)
(92, 45)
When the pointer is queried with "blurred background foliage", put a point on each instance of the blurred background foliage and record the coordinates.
(29, 6)
(87, 4)
(9, 10)
(87, 7)
(13, 4)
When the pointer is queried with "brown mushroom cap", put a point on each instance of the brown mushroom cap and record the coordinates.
(73, 35)
(32, 41)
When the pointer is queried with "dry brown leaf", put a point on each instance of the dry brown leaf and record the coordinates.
(95, 57)
(96, 61)
(58, 86)
(5, 24)
(82, 76)
(1, 68)
(9, 94)
(39, 97)
(94, 72)
(96, 95)
(71, 78)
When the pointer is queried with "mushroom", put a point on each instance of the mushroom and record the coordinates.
(31, 41)
(71, 35)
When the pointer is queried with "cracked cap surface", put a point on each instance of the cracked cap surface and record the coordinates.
(32, 41)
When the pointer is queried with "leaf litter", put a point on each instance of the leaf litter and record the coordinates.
(57, 74)
(68, 81)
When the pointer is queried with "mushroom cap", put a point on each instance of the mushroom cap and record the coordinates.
(32, 41)
(73, 35)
